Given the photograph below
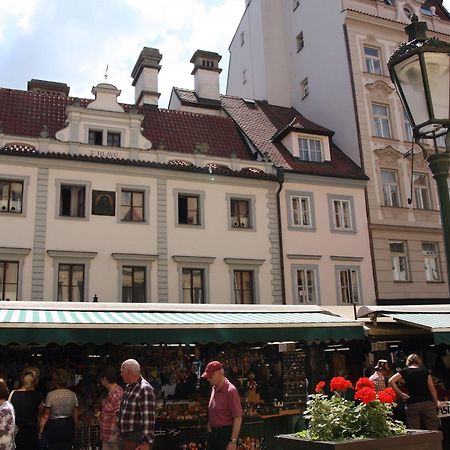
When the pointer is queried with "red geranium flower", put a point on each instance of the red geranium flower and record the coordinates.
(319, 387)
(387, 395)
(366, 395)
(364, 382)
(340, 384)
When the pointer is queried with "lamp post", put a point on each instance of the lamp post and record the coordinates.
(420, 71)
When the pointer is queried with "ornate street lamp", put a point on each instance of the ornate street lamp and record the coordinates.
(420, 70)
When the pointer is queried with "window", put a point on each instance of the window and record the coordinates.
(240, 213)
(113, 139)
(95, 137)
(341, 210)
(300, 211)
(242, 38)
(348, 283)
(373, 63)
(133, 284)
(132, 206)
(9, 280)
(431, 261)
(310, 149)
(306, 285)
(295, 4)
(304, 88)
(299, 41)
(11, 196)
(193, 286)
(421, 191)
(244, 76)
(399, 259)
(390, 188)
(243, 287)
(71, 282)
(188, 209)
(72, 200)
(407, 127)
(381, 121)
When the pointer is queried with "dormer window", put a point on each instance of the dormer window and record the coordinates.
(310, 149)
(95, 137)
(103, 137)
(113, 139)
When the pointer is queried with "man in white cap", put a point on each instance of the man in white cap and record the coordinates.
(224, 409)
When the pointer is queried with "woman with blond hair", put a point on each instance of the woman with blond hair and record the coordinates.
(28, 406)
(421, 399)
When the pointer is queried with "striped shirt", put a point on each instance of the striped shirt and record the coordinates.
(137, 411)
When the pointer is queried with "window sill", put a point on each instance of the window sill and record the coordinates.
(242, 229)
(11, 213)
(385, 139)
(72, 218)
(378, 75)
(435, 282)
(142, 222)
(300, 228)
(403, 281)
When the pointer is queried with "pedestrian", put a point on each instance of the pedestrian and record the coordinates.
(137, 409)
(379, 377)
(421, 399)
(224, 409)
(109, 433)
(28, 405)
(7, 419)
(60, 413)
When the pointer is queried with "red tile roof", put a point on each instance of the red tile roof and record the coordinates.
(24, 113)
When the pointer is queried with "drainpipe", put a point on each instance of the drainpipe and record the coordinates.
(280, 179)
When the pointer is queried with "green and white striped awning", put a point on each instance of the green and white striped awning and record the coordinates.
(166, 324)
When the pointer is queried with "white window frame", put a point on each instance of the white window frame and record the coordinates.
(135, 260)
(389, 194)
(432, 264)
(309, 153)
(242, 38)
(244, 264)
(304, 87)
(71, 257)
(251, 199)
(87, 201)
(299, 41)
(295, 4)
(422, 194)
(17, 255)
(146, 203)
(295, 268)
(301, 196)
(351, 272)
(341, 200)
(25, 180)
(400, 259)
(373, 62)
(381, 122)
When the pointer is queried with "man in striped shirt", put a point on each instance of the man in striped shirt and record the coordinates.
(137, 409)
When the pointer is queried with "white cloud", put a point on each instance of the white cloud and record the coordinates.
(16, 14)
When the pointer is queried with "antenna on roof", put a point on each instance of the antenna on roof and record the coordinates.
(106, 73)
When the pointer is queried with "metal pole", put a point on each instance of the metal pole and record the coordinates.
(439, 164)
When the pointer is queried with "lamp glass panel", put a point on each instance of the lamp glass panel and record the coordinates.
(409, 77)
(438, 70)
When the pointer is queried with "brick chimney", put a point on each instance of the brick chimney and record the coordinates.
(145, 77)
(206, 74)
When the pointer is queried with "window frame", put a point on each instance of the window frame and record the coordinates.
(304, 86)
(331, 213)
(419, 192)
(73, 258)
(295, 4)
(145, 203)
(242, 35)
(244, 264)
(436, 258)
(244, 76)
(4, 263)
(16, 254)
(290, 195)
(377, 118)
(310, 152)
(87, 201)
(395, 266)
(348, 269)
(25, 180)
(105, 132)
(251, 199)
(71, 286)
(397, 185)
(194, 262)
(299, 41)
(295, 268)
(370, 58)
(200, 195)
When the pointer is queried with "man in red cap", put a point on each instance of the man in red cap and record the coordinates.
(224, 409)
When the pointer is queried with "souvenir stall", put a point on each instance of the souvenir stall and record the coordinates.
(271, 354)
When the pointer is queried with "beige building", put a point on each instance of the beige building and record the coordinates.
(329, 61)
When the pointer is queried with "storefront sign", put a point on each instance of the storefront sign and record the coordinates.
(444, 409)
(104, 154)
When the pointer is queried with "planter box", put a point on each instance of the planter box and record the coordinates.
(413, 440)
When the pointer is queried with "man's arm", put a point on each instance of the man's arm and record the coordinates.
(147, 405)
(237, 421)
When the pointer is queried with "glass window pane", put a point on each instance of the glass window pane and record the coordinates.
(125, 212)
(127, 277)
(126, 198)
(16, 197)
(138, 198)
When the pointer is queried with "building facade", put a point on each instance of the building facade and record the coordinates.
(329, 61)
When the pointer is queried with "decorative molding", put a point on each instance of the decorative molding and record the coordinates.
(71, 254)
(388, 155)
(134, 257)
(294, 256)
(379, 89)
(194, 259)
(16, 251)
(346, 258)
(244, 261)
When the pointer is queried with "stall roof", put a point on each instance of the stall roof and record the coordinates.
(433, 318)
(80, 323)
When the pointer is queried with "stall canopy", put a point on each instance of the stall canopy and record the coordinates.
(433, 318)
(101, 323)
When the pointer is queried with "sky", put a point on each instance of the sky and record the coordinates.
(72, 41)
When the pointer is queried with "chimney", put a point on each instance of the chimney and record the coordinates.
(145, 77)
(206, 74)
(48, 87)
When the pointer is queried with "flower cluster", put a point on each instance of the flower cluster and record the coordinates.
(344, 415)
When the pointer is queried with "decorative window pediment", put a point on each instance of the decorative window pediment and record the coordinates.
(379, 89)
(388, 155)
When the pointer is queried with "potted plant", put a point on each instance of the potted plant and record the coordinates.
(364, 422)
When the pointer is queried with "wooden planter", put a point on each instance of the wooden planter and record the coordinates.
(413, 440)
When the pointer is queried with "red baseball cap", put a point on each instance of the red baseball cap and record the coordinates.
(212, 367)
